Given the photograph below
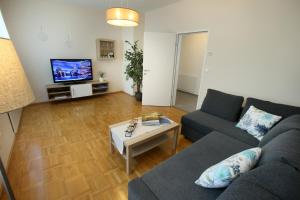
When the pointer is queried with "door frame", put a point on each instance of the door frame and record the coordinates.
(177, 62)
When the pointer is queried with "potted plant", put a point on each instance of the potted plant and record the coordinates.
(134, 68)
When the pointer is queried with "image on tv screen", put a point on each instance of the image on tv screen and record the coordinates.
(66, 70)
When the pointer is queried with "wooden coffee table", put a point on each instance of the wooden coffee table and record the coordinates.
(144, 138)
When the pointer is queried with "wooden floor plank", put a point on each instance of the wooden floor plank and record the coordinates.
(61, 150)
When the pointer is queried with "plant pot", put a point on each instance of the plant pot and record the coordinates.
(138, 96)
(101, 79)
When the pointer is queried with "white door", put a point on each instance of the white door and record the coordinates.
(159, 56)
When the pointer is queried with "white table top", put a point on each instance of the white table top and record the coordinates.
(118, 133)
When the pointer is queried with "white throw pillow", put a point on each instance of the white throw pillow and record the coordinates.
(223, 173)
(257, 122)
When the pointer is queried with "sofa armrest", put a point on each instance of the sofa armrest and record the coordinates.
(138, 190)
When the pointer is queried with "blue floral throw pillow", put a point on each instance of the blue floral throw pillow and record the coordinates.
(223, 173)
(257, 122)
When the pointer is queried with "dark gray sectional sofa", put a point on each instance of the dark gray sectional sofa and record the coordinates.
(212, 128)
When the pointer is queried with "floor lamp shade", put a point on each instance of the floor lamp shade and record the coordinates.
(15, 91)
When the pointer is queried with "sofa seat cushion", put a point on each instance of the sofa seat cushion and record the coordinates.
(289, 123)
(283, 148)
(243, 190)
(223, 105)
(204, 123)
(174, 179)
(270, 107)
(271, 181)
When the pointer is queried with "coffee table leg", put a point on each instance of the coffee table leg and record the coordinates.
(175, 138)
(128, 160)
(111, 146)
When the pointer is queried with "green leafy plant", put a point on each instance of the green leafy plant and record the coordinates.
(101, 74)
(134, 68)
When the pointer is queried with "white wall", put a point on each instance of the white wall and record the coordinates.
(254, 45)
(131, 35)
(192, 55)
(127, 84)
(51, 29)
(3, 30)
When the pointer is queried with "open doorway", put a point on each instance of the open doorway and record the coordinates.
(191, 54)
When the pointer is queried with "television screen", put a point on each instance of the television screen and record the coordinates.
(71, 70)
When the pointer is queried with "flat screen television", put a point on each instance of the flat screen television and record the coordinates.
(71, 70)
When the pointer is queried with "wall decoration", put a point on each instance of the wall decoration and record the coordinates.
(42, 35)
(105, 49)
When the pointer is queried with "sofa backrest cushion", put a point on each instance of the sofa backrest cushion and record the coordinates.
(284, 148)
(270, 107)
(222, 105)
(289, 123)
(272, 181)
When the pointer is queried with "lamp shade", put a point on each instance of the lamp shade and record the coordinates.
(122, 17)
(15, 91)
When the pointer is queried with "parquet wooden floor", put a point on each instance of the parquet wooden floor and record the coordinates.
(61, 150)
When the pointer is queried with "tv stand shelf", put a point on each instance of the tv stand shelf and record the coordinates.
(58, 92)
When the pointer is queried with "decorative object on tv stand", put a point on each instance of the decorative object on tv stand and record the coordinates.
(105, 49)
(134, 69)
(101, 77)
(15, 92)
(122, 16)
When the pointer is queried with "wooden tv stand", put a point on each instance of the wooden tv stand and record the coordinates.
(59, 92)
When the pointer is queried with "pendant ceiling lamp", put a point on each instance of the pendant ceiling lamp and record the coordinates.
(121, 16)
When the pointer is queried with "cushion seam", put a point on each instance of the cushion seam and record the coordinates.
(149, 189)
(262, 188)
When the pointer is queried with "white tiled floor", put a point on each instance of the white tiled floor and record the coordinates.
(186, 101)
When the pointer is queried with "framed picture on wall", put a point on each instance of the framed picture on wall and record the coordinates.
(105, 49)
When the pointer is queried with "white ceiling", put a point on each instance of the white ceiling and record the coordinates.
(140, 5)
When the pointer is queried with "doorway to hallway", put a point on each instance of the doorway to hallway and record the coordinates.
(191, 54)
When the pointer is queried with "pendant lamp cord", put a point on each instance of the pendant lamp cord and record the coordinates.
(122, 3)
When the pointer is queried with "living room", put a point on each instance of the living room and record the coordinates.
(60, 137)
